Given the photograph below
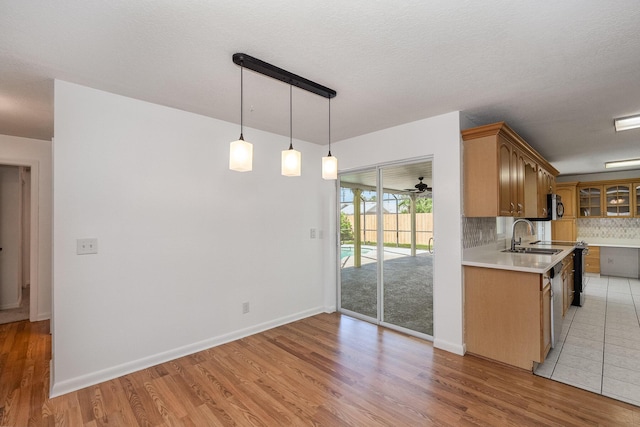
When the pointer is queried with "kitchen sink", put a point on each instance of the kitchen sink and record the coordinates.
(533, 251)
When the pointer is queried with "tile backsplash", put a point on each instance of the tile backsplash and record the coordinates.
(478, 232)
(485, 231)
(612, 228)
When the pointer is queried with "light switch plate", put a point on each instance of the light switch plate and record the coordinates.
(86, 246)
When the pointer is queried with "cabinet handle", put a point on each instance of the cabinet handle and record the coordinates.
(512, 207)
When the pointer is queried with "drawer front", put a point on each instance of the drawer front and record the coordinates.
(592, 260)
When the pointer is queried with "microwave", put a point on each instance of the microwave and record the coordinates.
(555, 208)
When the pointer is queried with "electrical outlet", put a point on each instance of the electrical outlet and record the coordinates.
(312, 233)
(86, 246)
(245, 307)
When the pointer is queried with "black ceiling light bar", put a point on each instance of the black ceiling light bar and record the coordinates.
(277, 73)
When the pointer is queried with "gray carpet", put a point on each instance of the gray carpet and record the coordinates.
(408, 291)
(17, 314)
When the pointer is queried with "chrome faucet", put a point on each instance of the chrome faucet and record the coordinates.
(513, 232)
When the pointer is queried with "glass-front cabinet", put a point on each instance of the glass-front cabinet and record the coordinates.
(590, 201)
(636, 198)
(618, 200)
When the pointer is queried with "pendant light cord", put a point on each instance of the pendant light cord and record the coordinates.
(329, 127)
(241, 101)
(290, 117)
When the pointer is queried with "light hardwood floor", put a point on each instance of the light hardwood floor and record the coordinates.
(328, 370)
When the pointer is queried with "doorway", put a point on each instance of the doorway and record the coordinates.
(15, 202)
(387, 247)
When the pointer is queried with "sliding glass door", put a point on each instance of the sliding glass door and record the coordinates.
(358, 249)
(386, 235)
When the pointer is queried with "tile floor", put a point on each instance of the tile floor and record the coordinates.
(599, 349)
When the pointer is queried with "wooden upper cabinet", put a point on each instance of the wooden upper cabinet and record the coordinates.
(590, 201)
(636, 198)
(503, 175)
(617, 200)
(546, 185)
(534, 207)
(564, 229)
(516, 182)
(567, 193)
(505, 184)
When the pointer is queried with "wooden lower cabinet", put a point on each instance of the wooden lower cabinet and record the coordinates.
(545, 335)
(507, 315)
(567, 283)
(592, 260)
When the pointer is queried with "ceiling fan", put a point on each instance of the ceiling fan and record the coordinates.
(420, 187)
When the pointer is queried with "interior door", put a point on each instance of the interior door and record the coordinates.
(10, 238)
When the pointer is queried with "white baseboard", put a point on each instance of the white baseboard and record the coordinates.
(459, 349)
(10, 306)
(40, 316)
(330, 309)
(77, 383)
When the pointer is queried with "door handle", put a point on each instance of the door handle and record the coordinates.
(430, 245)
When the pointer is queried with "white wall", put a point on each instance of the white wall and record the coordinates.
(37, 155)
(182, 241)
(438, 136)
(10, 237)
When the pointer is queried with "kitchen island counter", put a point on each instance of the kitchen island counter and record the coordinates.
(492, 256)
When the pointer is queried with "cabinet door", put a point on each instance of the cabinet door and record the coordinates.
(532, 208)
(507, 208)
(551, 183)
(563, 229)
(546, 183)
(517, 182)
(618, 200)
(590, 201)
(592, 260)
(545, 333)
(567, 283)
(568, 195)
(636, 199)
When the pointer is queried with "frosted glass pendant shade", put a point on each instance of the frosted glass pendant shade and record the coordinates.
(241, 155)
(329, 167)
(291, 162)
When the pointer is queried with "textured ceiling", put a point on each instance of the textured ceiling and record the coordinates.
(557, 72)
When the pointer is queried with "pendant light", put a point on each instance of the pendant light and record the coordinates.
(329, 163)
(291, 159)
(241, 151)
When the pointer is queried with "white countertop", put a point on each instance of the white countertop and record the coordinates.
(491, 256)
(612, 243)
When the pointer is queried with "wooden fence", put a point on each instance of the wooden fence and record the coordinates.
(397, 228)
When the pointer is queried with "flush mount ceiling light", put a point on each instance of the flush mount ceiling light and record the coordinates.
(254, 64)
(622, 163)
(241, 151)
(627, 123)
